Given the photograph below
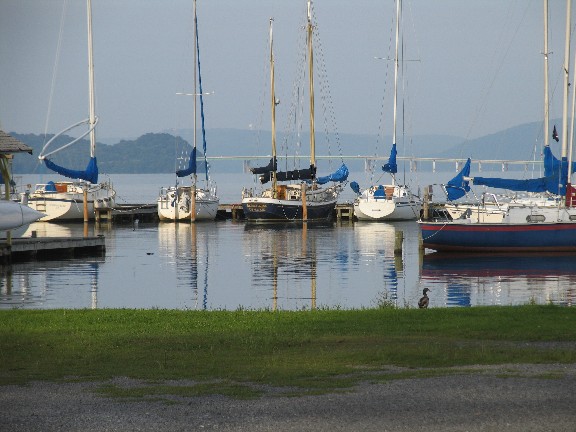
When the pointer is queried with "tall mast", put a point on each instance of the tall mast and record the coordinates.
(195, 73)
(396, 63)
(195, 176)
(566, 82)
(92, 118)
(311, 74)
(546, 97)
(273, 104)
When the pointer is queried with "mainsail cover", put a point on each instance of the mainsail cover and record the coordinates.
(304, 174)
(339, 176)
(457, 187)
(90, 174)
(191, 165)
(272, 166)
(391, 167)
(554, 180)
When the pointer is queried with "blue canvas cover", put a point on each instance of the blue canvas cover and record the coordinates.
(355, 187)
(272, 166)
(339, 176)
(191, 166)
(391, 167)
(457, 187)
(90, 174)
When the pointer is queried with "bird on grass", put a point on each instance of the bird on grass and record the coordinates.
(423, 302)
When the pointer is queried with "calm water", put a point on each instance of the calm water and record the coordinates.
(231, 265)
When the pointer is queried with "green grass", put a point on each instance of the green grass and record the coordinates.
(313, 351)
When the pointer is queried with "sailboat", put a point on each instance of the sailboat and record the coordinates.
(303, 201)
(191, 203)
(545, 225)
(74, 200)
(393, 201)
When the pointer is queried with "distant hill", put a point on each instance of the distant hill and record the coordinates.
(158, 152)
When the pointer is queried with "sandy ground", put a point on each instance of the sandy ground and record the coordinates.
(501, 398)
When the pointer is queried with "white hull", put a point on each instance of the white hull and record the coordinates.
(14, 215)
(66, 203)
(395, 203)
(170, 209)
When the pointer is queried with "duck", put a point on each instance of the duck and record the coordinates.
(423, 302)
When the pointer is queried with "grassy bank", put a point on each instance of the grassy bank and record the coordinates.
(308, 349)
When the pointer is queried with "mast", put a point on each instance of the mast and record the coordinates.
(566, 83)
(546, 97)
(396, 65)
(194, 176)
(273, 105)
(311, 75)
(565, 106)
(92, 118)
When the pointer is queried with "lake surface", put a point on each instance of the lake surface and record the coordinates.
(231, 265)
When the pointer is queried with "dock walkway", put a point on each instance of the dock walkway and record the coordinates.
(30, 248)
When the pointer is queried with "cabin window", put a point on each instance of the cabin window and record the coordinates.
(535, 218)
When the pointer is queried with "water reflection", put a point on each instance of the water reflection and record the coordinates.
(187, 247)
(286, 265)
(501, 279)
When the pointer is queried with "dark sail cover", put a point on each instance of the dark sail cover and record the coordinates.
(272, 166)
(90, 174)
(457, 187)
(339, 176)
(305, 174)
(191, 165)
(391, 166)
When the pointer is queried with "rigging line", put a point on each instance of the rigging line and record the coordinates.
(483, 105)
(55, 66)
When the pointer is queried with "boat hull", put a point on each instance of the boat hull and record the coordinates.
(175, 204)
(545, 237)
(67, 203)
(274, 210)
(387, 203)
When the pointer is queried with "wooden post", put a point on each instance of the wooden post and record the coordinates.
(304, 207)
(85, 190)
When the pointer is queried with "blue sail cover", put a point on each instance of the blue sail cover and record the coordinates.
(554, 180)
(191, 165)
(272, 166)
(550, 184)
(457, 187)
(355, 187)
(90, 174)
(339, 176)
(391, 166)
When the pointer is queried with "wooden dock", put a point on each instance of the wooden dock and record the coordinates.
(42, 248)
(128, 213)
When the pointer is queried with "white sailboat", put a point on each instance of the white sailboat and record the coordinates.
(74, 200)
(191, 203)
(392, 201)
(305, 200)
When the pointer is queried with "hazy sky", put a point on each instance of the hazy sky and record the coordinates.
(475, 67)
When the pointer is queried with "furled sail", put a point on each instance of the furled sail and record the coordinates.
(457, 187)
(550, 184)
(191, 165)
(272, 166)
(90, 174)
(391, 166)
(304, 174)
(355, 187)
(339, 176)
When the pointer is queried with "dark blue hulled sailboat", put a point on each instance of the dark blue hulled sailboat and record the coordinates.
(305, 199)
(542, 223)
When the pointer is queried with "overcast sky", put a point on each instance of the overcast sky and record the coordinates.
(476, 67)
